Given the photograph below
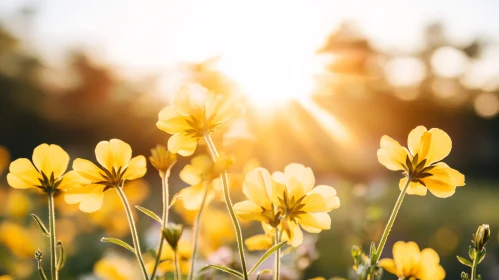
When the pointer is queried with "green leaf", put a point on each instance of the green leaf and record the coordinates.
(481, 256)
(266, 255)
(118, 242)
(41, 225)
(464, 261)
(152, 252)
(149, 213)
(222, 268)
(62, 255)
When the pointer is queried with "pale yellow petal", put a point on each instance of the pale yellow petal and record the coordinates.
(430, 268)
(406, 257)
(190, 175)
(192, 196)
(304, 179)
(388, 265)
(321, 199)
(77, 194)
(257, 187)
(113, 154)
(190, 100)
(248, 210)
(296, 238)
(221, 108)
(50, 159)
(392, 155)
(137, 168)
(184, 145)
(72, 179)
(93, 201)
(23, 174)
(170, 121)
(414, 187)
(202, 163)
(414, 139)
(259, 242)
(442, 182)
(315, 222)
(437, 145)
(88, 170)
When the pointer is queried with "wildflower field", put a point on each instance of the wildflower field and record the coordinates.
(185, 155)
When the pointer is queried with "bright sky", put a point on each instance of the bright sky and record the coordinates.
(154, 34)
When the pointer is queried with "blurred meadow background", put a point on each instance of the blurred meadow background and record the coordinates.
(322, 81)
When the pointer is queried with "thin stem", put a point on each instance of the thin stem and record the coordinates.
(53, 253)
(166, 198)
(133, 230)
(228, 202)
(277, 262)
(196, 231)
(177, 275)
(473, 269)
(389, 225)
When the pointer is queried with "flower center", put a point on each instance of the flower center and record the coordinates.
(417, 170)
(49, 184)
(113, 178)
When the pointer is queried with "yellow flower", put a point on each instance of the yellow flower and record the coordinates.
(116, 166)
(413, 264)
(288, 200)
(51, 161)
(161, 158)
(18, 239)
(259, 242)
(6, 277)
(421, 162)
(195, 112)
(200, 175)
(115, 267)
(167, 257)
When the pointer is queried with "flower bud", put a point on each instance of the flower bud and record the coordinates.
(161, 158)
(172, 233)
(481, 236)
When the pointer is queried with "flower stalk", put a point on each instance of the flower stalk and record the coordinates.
(389, 225)
(133, 230)
(196, 231)
(166, 201)
(53, 254)
(177, 275)
(277, 262)
(228, 202)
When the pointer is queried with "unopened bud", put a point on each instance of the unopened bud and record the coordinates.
(161, 158)
(172, 233)
(481, 236)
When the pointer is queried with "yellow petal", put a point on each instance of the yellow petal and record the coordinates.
(414, 188)
(388, 265)
(170, 121)
(321, 199)
(248, 210)
(391, 154)
(190, 175)
(315, 222)
(184, 145)
(192, 196)
(202, 163)
(407, 258)
(430, 268)
(221, 108)
(259, 242)
(299, 179)
(88, 170)
(77, 194)
(113, 154)
(435, 145)
(93, 201)
(414, 139)
(257, 187)
(190, 100)
(137, 168)
(50, 159)
(71, 180)
(23, 174)
(296, 238)
(443, 181)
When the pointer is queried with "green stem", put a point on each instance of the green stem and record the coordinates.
(473, 269)
(53, 256)
(196, 231)
(177, 275)
(389, 225)
(164, 183)
(133, 230)
(228, 202)
(277, 262)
